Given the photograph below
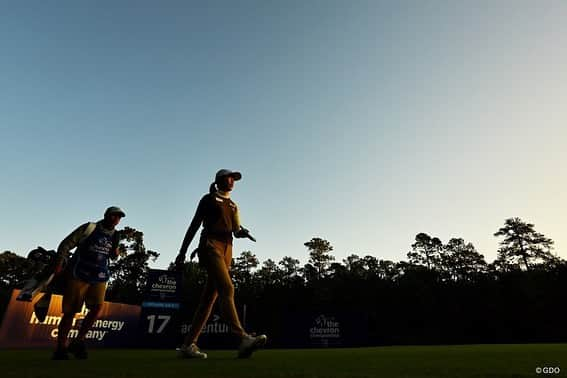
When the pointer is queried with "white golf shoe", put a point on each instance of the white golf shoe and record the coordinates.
(191, 351)
(251, 343)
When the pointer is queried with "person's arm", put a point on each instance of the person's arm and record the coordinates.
(236, 221)
(115, 251)
(239, 230)
(191, 231)
(65, 247)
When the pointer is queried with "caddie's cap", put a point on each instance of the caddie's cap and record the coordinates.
(114, 210)
(227, 172)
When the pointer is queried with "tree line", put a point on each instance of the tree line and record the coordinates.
(442, 293)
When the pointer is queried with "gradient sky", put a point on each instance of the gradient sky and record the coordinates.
(361, 122)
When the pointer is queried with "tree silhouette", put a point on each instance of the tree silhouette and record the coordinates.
(462, 261)
(426, 251)
(291, 271)
(355, 266)
(242, 268)
(130, 272)
(523, 245)
(385, 269)
(14, 269)
(269, 274)
(319, 257)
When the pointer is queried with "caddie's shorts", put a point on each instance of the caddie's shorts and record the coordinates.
(78, 292)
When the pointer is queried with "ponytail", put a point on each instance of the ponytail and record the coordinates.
(213, 188)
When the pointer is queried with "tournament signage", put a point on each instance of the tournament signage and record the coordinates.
(163, 286)
(214, 326)
(159, 320)
(322, 328)
(325, 331)
(215, 334)
(117, 326)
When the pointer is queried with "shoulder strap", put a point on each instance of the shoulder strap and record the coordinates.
(88, 231)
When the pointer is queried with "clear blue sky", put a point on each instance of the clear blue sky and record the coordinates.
(361, 122)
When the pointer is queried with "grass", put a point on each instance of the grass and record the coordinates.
(399, 361)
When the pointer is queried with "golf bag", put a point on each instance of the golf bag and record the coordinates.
(45, 280)
(45, 262)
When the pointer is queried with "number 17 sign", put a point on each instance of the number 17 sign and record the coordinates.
(159, 321)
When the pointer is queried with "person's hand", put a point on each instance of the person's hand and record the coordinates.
(180, 261)
(244, 233)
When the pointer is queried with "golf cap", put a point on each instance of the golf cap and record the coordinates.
(227, 172)
(114, 210)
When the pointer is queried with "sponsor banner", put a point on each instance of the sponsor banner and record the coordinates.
(338, 329)
(216, 334)
(213, 327)
(163, 285)
(159, 326)
(165, 305)
(117, 326)
(163, 327)
(320, 328)
(325, 331)
(160, 318)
